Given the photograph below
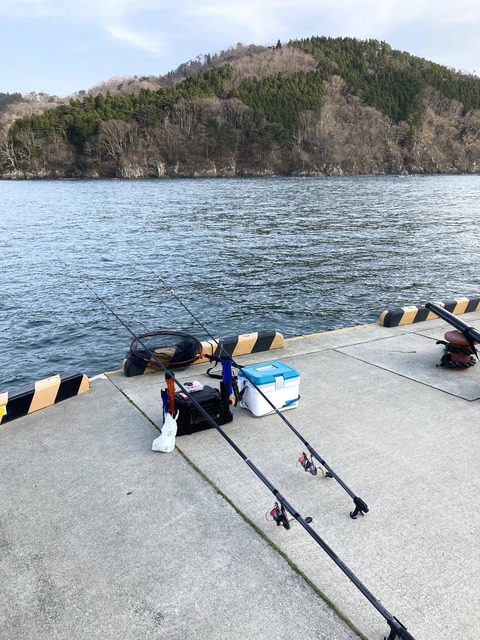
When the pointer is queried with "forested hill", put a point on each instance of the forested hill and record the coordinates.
(309, 107)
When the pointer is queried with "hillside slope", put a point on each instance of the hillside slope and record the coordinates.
(310, 107)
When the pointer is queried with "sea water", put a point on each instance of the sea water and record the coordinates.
(297, 255)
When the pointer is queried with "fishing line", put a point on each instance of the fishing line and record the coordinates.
(397, 629)
(360, 505)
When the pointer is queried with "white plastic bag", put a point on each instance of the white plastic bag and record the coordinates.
(166, 440)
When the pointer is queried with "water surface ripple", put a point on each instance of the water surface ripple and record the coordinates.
(295, 255)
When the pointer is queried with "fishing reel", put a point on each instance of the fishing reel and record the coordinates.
(279, 515)
(310, 467)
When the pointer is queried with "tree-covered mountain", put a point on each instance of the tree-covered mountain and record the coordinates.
(314, 106)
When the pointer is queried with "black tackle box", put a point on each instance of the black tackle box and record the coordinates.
(214, 402)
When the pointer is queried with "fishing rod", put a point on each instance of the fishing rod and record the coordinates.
(397, 629)
(360, 505)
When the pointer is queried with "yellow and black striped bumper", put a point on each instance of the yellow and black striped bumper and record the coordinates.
(42, 394)
(407, 315)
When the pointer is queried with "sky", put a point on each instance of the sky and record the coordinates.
(61, 47)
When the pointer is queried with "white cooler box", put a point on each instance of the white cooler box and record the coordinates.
(279, 382)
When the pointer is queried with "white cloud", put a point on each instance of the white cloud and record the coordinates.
(112, 16)
(139, 40)
(258, 21)
(234, 19)
(389, 15)
(170, 33)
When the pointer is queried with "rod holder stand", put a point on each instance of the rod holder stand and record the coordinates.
(360, 508)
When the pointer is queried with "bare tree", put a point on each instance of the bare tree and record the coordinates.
(285, 60)
(238, 115)
(115, 137)
(183, 114)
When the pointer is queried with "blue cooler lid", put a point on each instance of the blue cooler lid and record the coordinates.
(266, 372)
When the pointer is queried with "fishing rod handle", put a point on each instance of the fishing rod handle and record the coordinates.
(360, 508)
(398, 630)
(360, 505)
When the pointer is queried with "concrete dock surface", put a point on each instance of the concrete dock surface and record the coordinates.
(100, 537)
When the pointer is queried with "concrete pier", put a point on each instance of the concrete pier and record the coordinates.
(100, 537)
